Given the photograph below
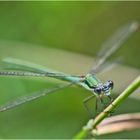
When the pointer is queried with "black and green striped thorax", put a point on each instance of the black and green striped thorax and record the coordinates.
(91, 81)
(96, 86)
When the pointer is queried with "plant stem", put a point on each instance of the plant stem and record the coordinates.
(82, 134)
(93, 123)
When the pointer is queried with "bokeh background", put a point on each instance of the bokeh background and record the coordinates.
(65, 36)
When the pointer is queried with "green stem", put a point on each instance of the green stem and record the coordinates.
(82, 134)
(129, 90)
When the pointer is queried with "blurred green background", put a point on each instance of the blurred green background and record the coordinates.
(29, 30)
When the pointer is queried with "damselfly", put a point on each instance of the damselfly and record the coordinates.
(89, 81)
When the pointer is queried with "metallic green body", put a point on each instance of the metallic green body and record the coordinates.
(92, 80)
(87, 81)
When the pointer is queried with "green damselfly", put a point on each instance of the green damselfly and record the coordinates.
(89, 81)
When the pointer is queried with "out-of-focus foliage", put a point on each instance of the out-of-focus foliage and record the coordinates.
(75, 26)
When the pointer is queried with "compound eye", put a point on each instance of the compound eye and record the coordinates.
(111, 84)
(98, 90)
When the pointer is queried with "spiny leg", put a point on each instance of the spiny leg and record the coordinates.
(96, 107)
(111, 100)
(99, 98)
(102, 102)
(86, 106)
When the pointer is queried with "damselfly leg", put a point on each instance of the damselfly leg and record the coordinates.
(85, 102)
(99, 102)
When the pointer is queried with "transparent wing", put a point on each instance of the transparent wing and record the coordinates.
(18, 64)
(107, 66)
(30, 69)
(24, 73)
(33, 96)
(114, 43)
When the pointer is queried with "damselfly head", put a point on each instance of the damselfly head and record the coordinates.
(104, 88)
(107, 87)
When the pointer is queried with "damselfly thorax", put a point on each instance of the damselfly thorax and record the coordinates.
(94, 84)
